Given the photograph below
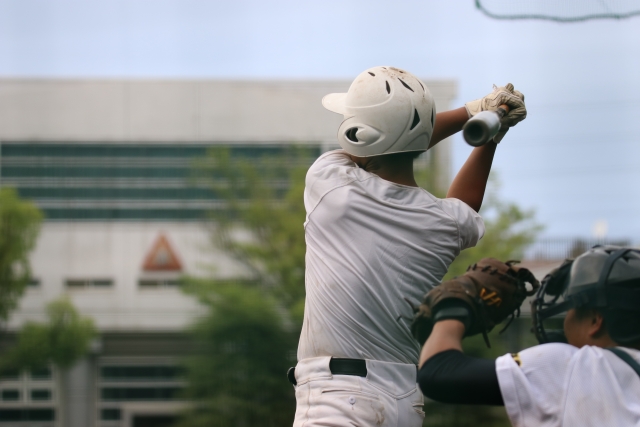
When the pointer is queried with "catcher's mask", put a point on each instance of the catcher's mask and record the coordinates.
(606, 278)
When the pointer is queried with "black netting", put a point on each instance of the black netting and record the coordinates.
(559, 10)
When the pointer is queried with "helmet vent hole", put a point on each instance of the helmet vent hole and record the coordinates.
(388, 88)
(416, 119)
(405, 85)
(372, 74)
(351, 134)
(420, 85)
(433, 118)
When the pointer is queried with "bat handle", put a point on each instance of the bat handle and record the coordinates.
(482, 127)
(502, 110)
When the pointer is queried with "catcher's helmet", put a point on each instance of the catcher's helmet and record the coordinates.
(386, 110)
(606, 278)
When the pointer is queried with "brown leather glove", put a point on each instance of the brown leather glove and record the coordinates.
(490, 291)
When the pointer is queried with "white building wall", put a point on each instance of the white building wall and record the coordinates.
(154, 111)
(142, 326)
(175, 110)
(116, 251)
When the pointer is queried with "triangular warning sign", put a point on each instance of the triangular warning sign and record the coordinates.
(161, 257)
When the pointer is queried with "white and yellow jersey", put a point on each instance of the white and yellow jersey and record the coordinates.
(554, 385)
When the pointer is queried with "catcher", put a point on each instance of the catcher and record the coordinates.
(586, 375)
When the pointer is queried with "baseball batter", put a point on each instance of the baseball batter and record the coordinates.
(589, 377)
(376, 242)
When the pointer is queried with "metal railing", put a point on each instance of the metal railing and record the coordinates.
(561, 248)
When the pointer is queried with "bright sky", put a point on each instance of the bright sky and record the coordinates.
(575, 160)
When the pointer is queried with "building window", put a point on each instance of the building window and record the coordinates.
(33, 283)
(10, 395)
(141, 373)
(140, 393)
(155, 284)
(89, 283)
(119, 182)
(110, 414)
(41, 374)
(10, 375)
(40, 394)
(7, 415)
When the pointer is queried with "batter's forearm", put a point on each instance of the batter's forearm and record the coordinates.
(470, 183)
(446, 335)
(448, 123)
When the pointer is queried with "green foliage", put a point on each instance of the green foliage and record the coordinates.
(19, 227)
(247, 339)
(66, 336)
(508, 232)
(263, 197)
(237, 376)
(426, 170)
(63, 340)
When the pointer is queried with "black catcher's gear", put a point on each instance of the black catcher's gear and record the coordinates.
(606, 278)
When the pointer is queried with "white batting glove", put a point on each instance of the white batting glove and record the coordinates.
(501, 95)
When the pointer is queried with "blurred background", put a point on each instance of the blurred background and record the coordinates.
(152, 161)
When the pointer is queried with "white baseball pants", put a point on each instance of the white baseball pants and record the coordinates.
(387, 397)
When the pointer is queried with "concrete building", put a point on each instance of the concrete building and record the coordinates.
(109, 163)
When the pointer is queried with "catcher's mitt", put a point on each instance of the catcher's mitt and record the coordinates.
(490, 291)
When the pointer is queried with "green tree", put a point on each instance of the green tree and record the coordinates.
(61, 341)
(236, 376)
(263, 200)
(508, 232)
(66, 336)
(248, 335)
(247, 339)
(19, 227)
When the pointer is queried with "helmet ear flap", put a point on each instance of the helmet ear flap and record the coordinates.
(362, 135)
(351, 134)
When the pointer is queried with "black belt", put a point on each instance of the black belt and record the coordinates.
(356, 367)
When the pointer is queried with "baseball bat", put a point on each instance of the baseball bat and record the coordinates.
(482, 127)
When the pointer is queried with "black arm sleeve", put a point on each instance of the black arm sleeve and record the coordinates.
(453, 377)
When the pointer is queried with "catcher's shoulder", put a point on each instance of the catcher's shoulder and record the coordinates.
(556, 351)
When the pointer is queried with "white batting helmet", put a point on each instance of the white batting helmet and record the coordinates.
(386, 110)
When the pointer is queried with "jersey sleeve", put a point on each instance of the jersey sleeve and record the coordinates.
(533, 383)
(331, 170)
(453, 377)
(470, 223)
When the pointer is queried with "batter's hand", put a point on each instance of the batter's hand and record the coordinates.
(501, 95)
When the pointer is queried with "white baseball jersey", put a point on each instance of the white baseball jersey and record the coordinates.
(373, 248)
(560, 385)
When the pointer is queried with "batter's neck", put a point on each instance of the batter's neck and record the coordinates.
(399, 171)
